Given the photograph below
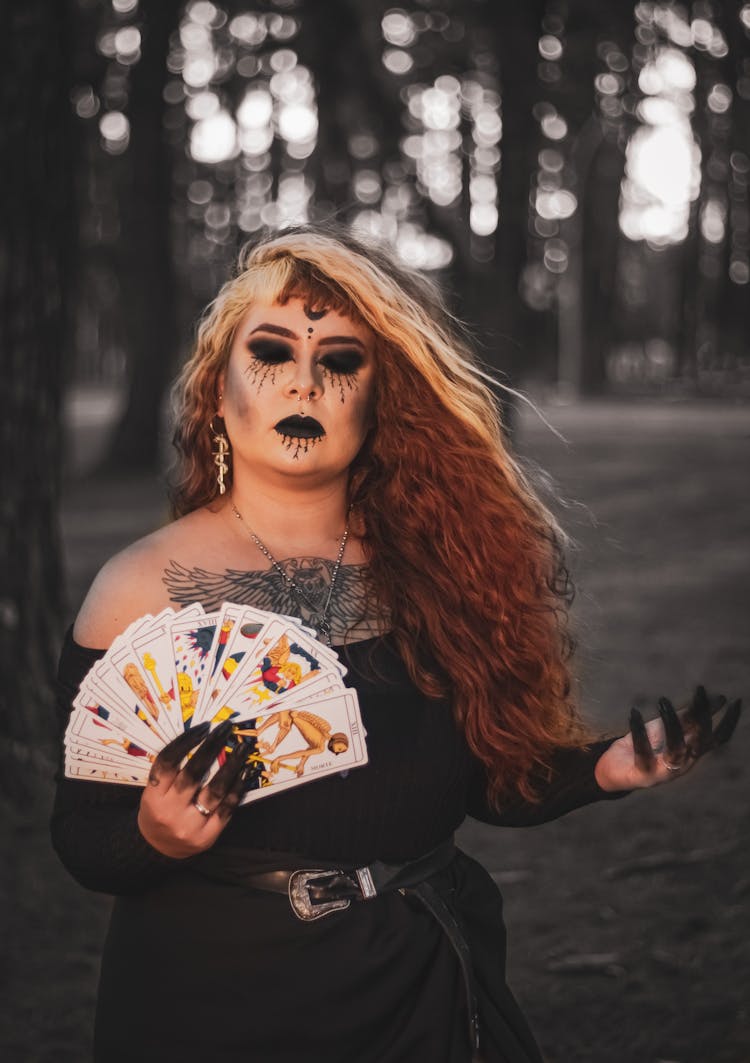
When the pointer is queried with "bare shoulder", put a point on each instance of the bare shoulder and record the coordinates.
(130, 584)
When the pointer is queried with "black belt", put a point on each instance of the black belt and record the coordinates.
(316, 892)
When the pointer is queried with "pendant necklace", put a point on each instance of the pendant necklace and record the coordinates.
(320, 620)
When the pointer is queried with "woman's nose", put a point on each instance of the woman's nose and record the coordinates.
(305, 384)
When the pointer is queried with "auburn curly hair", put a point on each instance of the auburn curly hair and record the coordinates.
(463, 555)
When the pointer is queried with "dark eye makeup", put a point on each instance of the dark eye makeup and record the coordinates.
(271, 352)
(343, 363)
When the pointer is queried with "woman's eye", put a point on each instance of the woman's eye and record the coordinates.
(343, 363)
(270, 352)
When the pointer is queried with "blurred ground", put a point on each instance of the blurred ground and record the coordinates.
(627, 921)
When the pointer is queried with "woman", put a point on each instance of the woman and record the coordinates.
(341, 459)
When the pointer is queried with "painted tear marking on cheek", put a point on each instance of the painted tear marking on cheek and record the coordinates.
(261, 372)
(344, 382)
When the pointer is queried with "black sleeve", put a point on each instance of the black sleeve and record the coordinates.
(571, 785)
(94, 825)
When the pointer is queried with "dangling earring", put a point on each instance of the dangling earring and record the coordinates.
(221, 443)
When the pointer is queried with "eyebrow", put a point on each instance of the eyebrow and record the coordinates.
(279, 330)
(341, 339)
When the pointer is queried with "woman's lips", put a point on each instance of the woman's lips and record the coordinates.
(300, 427)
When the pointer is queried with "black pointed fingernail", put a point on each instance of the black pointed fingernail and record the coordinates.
(235, 762)
(644, 754)
(222, 729)
(700, 709)
(673, 732)
(225, 778)
(698, 728)
(729, 720)
(208, 751)
(179, 747)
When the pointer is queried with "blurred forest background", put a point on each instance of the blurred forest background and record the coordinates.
(575, 173)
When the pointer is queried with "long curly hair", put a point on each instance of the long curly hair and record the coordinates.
(464, 557)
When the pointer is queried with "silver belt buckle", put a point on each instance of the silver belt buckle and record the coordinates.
(366, 884)
(299, 897)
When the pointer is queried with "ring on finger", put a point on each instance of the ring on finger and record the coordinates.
(671, 767)
(202, 809)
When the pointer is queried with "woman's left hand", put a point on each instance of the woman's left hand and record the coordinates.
(663, 749)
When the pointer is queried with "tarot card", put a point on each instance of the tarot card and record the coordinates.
(153, 651)
(119, 677)
(102, 773)
(127, 715)
(125, 661)
(313, 689)
(87, 729)
(290, 747)
(193, 642)
(78, 758)
(237, 627)
(152, 646)
(81, 753)
(96, 752)
(245, 644)
(286, 658)
(95, 747)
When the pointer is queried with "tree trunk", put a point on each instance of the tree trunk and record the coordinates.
(601, 239)
(599, 162)
(733, 309)
(37, 238)
(147, 279)
(493, 300)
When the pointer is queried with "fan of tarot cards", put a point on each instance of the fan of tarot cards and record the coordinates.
(283, 690)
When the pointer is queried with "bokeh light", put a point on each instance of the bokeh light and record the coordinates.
(114, 128)
(719, 99)
(554, 126)
(256, 109)
(202, 105)
(127, 45)
(550, 47)
(397, 61)
(249, 29)
(669, 73)
(297, 122)
(713, 221)
(398, 28)
(662, 173)
(85, 101)
(214, 140)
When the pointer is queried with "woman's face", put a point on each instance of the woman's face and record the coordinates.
(298, 390)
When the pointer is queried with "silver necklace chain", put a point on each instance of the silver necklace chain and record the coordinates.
(320, 620)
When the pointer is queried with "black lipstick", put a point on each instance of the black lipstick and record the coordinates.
(300, 427)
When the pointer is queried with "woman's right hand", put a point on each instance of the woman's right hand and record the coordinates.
(169, 817)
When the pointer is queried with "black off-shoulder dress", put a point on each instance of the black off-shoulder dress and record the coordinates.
(199, 968)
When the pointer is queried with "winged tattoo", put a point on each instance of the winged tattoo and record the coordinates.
(353, 613)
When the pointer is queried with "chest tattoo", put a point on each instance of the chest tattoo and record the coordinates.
(353, 610)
